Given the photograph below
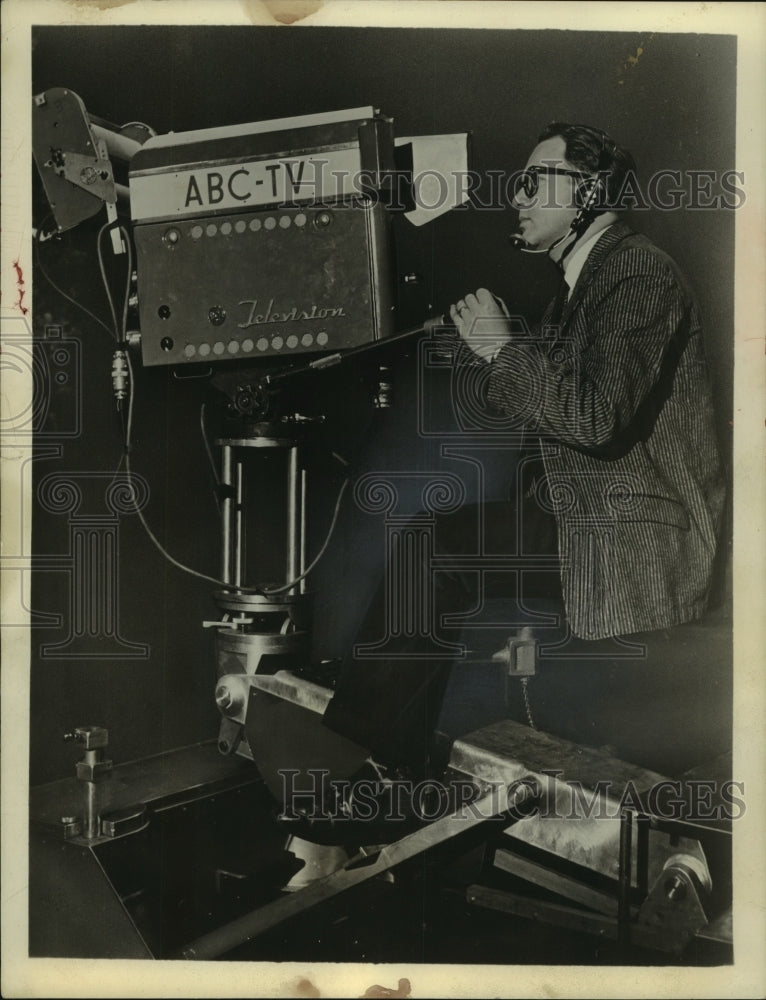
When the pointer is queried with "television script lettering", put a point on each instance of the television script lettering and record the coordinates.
(256, 318)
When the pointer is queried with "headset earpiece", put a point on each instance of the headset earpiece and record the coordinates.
(590, 196)
(590, 193)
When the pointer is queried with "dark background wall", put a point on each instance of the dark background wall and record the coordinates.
(669, 98)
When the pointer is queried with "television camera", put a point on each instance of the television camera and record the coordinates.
(261, 254)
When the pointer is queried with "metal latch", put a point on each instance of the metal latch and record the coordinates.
(519, 654)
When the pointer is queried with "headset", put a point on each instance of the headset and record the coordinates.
(590, 196)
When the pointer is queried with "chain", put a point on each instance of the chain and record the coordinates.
(527, 705)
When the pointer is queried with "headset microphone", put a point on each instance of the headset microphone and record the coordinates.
(518, 242)
(585, 215)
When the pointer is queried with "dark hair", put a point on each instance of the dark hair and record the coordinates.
(593, 151)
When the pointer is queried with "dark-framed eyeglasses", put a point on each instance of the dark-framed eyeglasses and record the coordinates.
(527, 182)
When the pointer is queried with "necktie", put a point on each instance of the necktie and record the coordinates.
(559, 302)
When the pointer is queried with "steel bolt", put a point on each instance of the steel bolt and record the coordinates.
(675, 888)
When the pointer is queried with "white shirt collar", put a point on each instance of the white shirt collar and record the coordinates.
(576, 260)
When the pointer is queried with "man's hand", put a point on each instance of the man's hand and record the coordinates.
(483, 322)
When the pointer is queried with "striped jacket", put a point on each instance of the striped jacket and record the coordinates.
(618, 392)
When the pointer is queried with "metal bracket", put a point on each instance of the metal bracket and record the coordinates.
(91, 173)
(519, 654)
(673, 908)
